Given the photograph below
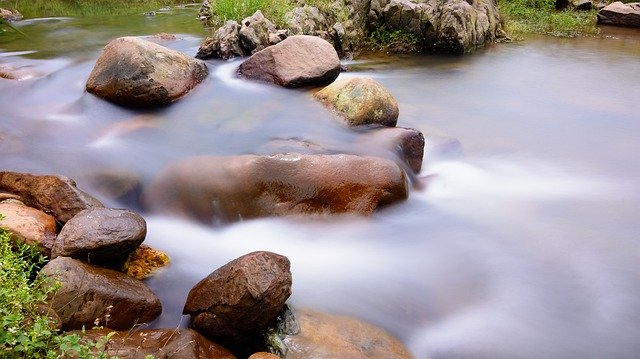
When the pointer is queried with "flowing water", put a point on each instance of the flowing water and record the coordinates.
(524, 242)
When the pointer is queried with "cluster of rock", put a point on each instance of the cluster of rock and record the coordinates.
(88, 245)
(10, 15)
(620, 14)
(454, 26)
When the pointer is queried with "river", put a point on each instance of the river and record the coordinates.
(524, 241)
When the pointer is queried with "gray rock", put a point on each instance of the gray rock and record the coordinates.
(101, 236)
(138, 73)
(224, 44)
(620, 14)
(10, 15)
(238, 300)
(56, 195)
(223, 189)
(255, 31)
(90, 296)
(296, 61)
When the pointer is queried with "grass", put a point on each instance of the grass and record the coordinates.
(25, 329)
(80, 8)
(274, 10)
(396, 41)
(521, 17)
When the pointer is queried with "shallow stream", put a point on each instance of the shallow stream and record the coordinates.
(524, 241)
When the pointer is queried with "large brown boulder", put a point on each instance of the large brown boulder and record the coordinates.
(620, 14)
(325, 336)
(56, 195)
(138, 73)
(29, 225)
(237, 300)
(218, 189)
(294, 62)
(158, 343)
(90, 295)
(360, 101)
(102, 236)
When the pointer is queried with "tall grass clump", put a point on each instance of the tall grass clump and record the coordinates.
(80, 8)
(541, 17)
(26, 331)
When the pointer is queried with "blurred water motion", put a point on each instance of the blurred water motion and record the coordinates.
(523, 243)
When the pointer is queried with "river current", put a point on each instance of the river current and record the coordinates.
(522, 241)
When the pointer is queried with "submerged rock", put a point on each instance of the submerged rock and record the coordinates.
(29, 225)
(237, 300)
(56, 195)
(138, 73)
(325, 336)
(212, 188)
(296, 61)
(102, 236)
(159, 343)
(360, 101)
(620, 14)
(90, 296)
(407, 143)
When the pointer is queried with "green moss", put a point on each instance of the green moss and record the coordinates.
(521, 17)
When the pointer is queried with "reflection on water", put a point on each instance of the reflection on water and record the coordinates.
(523, 243)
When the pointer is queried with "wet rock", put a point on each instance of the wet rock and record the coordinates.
(144, 261)
(158, 343)
(224, 44)
(408, 143)
(263, 355)
(138, 73)
(231, 188)
(116, 185)
(102, 236)
(330, 336)
(90, 296)
(455, 26)
(29, 225)
(10, 15)
(620, 14)
(237, 300)
(360, 101)
(296, 61)
(21, 73)
(56, 195)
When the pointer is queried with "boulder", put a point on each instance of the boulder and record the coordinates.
(325, 336)
(360, 101)
(138, 73)
(225, 189)
(294, 62)
(158, 343)
(582, 4)
(224, 44)
(10, 15)
(29, 225)
(620, 14)
(102, 236)
(263, 355)
(144, 261)
(455, 26)
(56, 195)
(237, 300)
(254, 33)
(407, 143)
(90, 295)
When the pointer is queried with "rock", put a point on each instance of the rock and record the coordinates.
(309, 20)
(10, 15)
(158, 343)
(101, 236)
(90, 295)
(144, 261)
(224, 44)
(263, 355)
(360, 101)
(254, 34)
(29, 225)
(225, 189)
(204, 13)
(294, 62)
(330, 336)
(455, 26)
(408, 144)
(117, 185)
(237, 300)
(56, 195)
(138, 73)
(620, 14)
(21, 73)
(584, 5)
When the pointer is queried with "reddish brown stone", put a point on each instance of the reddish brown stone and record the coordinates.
(29, 225)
